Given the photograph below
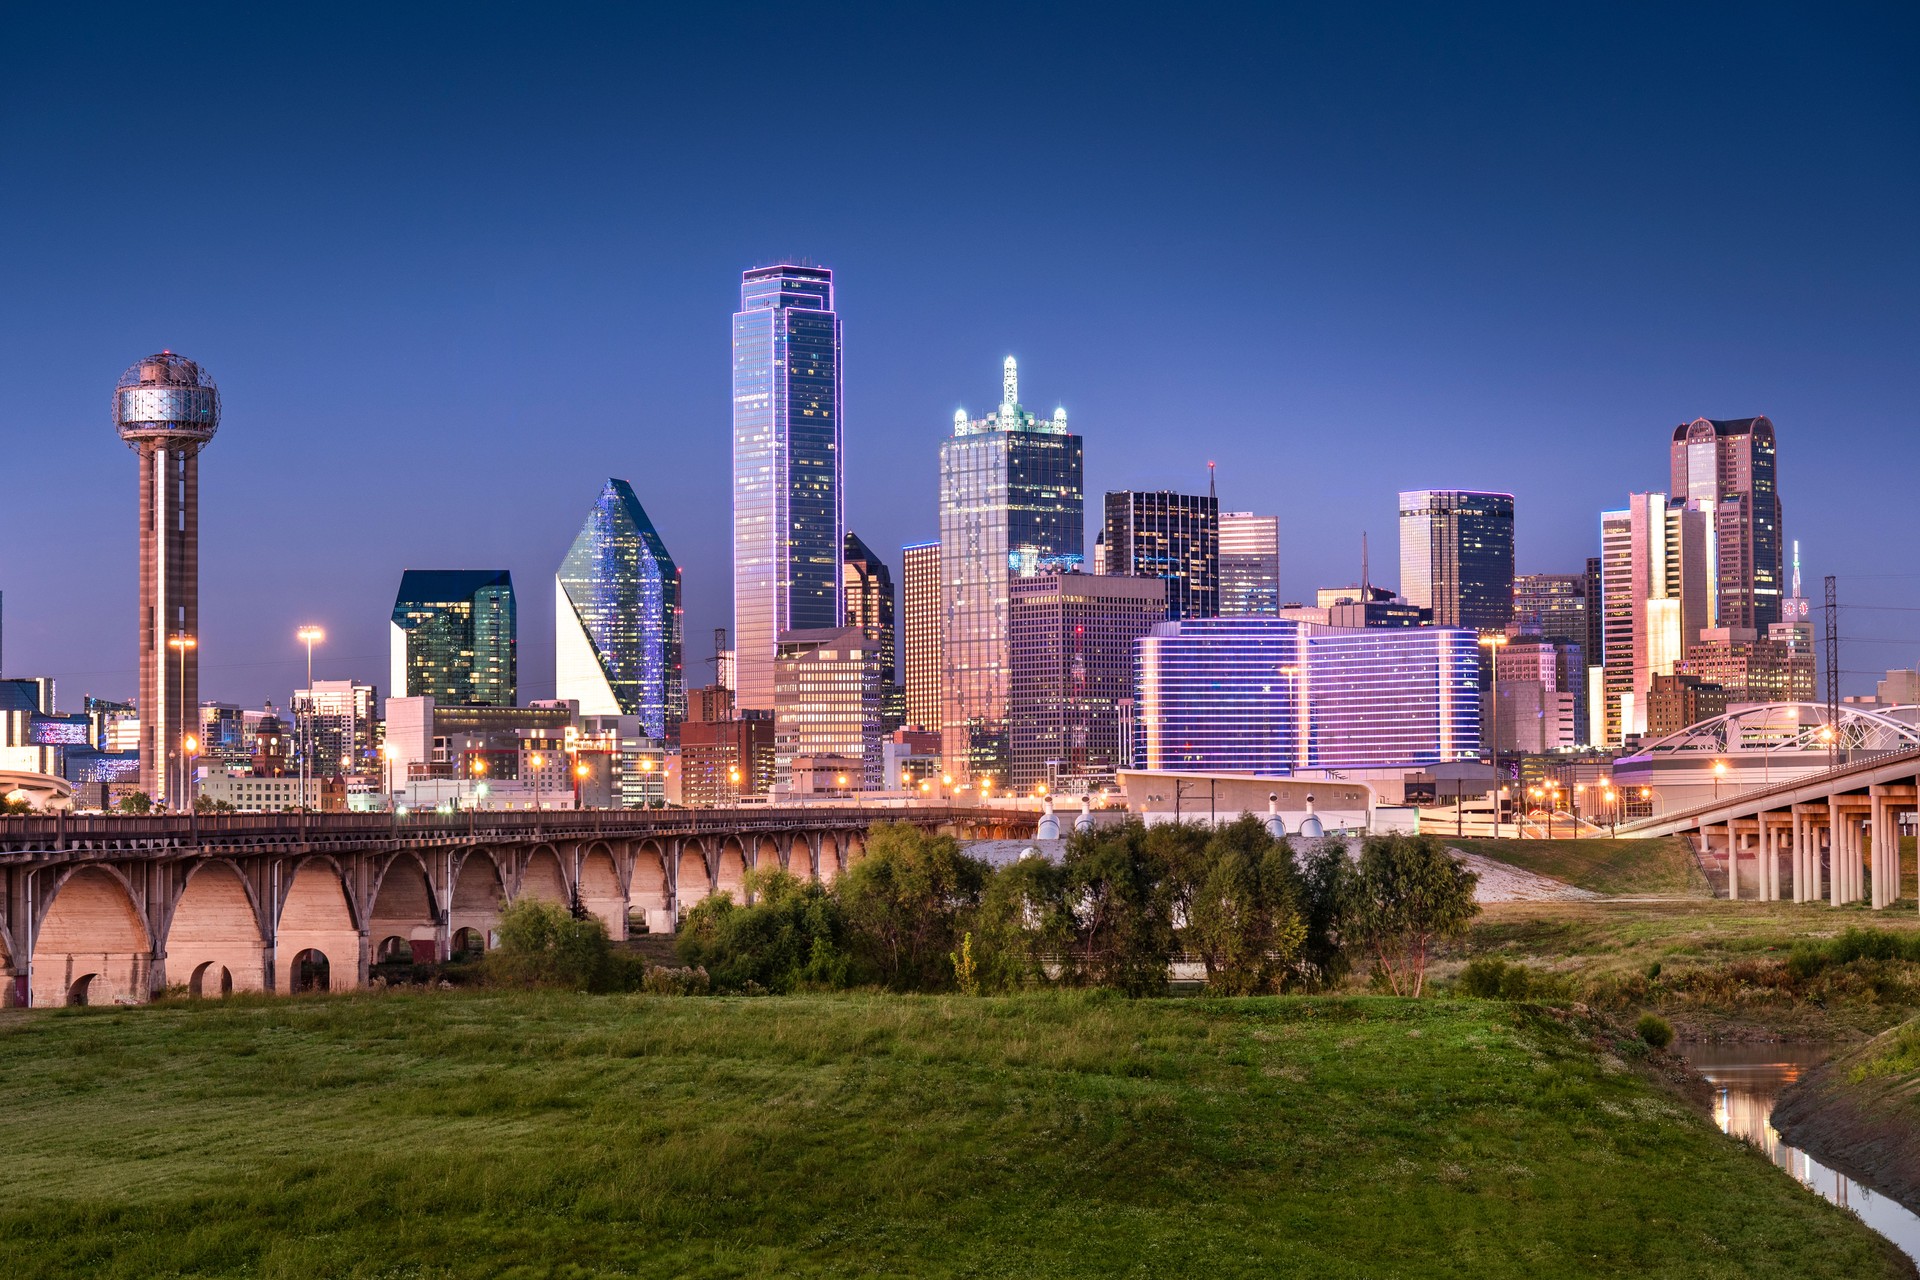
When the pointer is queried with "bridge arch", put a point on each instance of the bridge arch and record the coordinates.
(852, 845)
(600, 891)
(650, 887)
(403, 924)
(543, 877)
(730, 869)
(799, 860)
(319, 935)
(766, 854)
(691, 879)
(92, 945)
(478, 891)
(830, 862)
(215, 927)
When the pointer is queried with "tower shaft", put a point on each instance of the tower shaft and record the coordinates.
(169, 610)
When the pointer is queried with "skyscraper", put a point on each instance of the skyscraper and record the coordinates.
(1011, 505)
(1727, 470)
(1070, 700)
(167, 408)
(453, 638)
(617, 622)
(1249, 565)
(788, 514)
(1172, 536)
(1654, 564)
(1456, 556)
(826, 718)
(1553, 605)
(867, 584)
(920, 577)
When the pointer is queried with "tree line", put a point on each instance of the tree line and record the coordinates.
(917, 913)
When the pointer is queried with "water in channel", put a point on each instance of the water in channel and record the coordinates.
(1747, 1079)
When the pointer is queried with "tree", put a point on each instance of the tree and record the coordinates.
(542, 944)
(15, 806)
(1325, 877)
(1244, 917)
(136, 802)
(1022, 923)
(206, 804)
(904, 901)
(1120, 893)
(791, 935)
(1407, 892)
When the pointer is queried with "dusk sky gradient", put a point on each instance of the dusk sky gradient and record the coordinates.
(452, 268)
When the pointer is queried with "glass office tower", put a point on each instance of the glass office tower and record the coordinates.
(1456, 556)
(1171, 536)
(1271, 695)
(867, 584)
(788, 516)
(1011, 505)
(616, 613)
(453, 638)
(1249, 564)
(1727, 469)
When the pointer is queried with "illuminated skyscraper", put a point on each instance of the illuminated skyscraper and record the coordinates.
(788, 518)
(1249, 564)
(1171, 536)
(1727, 470)
(920, 578)
(454, 637)
(1456, 556)
(167, 408)
(1011, 505)
(616, 612)
(1654, 566)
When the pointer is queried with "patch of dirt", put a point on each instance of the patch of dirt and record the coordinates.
(1869, 1131)
(1500, 882)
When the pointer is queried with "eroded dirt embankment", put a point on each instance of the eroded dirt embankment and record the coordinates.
(1868, 1128)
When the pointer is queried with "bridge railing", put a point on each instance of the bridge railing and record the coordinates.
(326, 828)
(1861, 760)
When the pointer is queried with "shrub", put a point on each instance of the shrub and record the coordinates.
(543, 945)
(1655, 1030)
(791, 934)
(1022, 923)
(1487, 978)
(663, 980)
(904, 902)
(1243, 915)
(1118, 891)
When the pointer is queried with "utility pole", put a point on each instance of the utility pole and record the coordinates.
(1833, 673)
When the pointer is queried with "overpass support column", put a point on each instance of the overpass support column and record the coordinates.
(1797, 842)
(1878, 802)
(1733, 860)
(1836, 859)
(1769, 860)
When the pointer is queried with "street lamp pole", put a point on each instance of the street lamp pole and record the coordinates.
(1493, 642)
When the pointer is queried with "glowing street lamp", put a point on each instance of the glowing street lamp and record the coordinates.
(1719, 772)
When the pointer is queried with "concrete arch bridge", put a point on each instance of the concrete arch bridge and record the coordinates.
(113, 909)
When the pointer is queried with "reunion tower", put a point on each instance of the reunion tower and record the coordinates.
(167, 408)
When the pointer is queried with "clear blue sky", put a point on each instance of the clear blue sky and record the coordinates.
(452, 268)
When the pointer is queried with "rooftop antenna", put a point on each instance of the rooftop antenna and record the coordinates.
(1366, 580)
(719, 649)
(1009, 382)
(1212, 496)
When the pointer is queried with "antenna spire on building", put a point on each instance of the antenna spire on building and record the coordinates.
(1009, 382)
(1212, 496)
(1366, 582)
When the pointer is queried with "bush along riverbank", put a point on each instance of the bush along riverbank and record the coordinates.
(1860, 1114)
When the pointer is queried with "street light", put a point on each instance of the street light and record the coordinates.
(581, 772)
(1493, 642)
(389, 751)
(536, 762)
(179, 642)
(192, 744)
(1719, 772)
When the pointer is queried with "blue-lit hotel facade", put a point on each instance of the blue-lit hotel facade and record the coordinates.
(1272, 696)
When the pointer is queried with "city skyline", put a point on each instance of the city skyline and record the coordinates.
(582, 332)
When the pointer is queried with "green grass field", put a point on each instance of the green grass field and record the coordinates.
(460, 1134)
(1655, 867)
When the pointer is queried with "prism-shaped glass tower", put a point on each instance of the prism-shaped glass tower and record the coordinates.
(617, 618)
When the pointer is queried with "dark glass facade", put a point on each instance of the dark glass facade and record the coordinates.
(867, 585)
(617, 616)
(454, 636)
(1171, 536)
(1456, 556)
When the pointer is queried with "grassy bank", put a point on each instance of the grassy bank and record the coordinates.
(1716, 968)
(1858, 1114)
(1663, 867)
(461, 1134)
